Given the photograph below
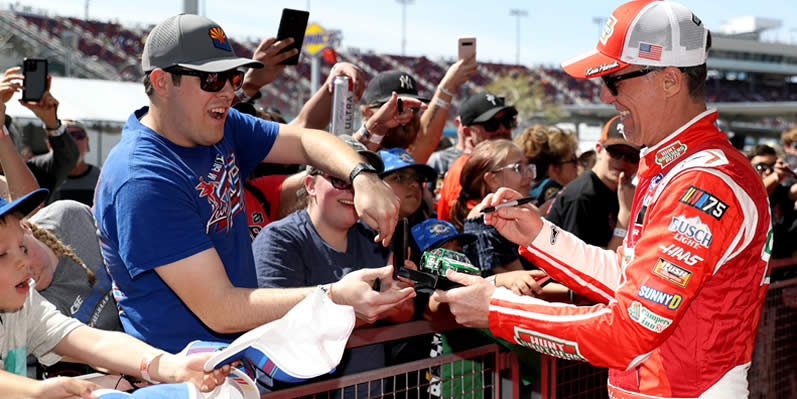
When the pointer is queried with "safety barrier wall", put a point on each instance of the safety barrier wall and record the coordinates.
(486, 371)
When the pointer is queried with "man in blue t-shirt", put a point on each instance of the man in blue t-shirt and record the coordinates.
(169, 203)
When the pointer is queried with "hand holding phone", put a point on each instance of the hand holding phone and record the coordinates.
(35, 84)
(400, 245)
(292, 24)
(467, 47)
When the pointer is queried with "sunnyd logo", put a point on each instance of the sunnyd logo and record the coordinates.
(691, 231)
(644, 317)
(670, 153)
(608, 30)
(547, 344)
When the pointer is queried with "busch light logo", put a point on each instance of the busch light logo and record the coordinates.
(691, 231)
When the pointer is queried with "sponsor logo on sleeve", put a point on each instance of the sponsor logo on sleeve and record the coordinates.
(644, 317)
(554, 234)
(672, 272)
(704, 201)
(670, 153)
(671, 301)
(692, 231)
(547, 344)
(680, 254)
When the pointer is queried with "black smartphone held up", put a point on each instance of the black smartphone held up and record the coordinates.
(293, 24)
(399, 245)
(35, 84)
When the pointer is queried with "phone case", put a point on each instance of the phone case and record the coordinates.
(293, 24)
(467, 47)
(35, 83)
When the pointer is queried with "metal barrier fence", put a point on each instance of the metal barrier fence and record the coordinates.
(486, 371)
(773, 374)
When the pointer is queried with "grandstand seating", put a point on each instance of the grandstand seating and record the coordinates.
(120, 47)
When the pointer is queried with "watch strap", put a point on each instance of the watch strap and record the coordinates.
(360, 168)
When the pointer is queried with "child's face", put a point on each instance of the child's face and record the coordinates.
(41, 259)
(14, 264)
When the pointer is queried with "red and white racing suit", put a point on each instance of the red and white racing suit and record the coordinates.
(680, 300)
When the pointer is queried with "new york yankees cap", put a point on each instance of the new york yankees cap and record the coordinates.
(481, 107)
(644, 32)
(382, 86)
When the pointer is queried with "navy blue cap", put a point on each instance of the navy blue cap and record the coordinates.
(25, 204)
(432, 233)
(396, 159)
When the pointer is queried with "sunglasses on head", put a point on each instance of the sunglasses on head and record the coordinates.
(212, 81)
(628, 156)
(509, 122)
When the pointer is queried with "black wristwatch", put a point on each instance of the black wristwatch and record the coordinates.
(60, 129)
(360, 168)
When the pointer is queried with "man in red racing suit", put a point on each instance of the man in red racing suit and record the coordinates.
(679, 301)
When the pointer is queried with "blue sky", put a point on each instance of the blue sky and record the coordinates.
(552, 31)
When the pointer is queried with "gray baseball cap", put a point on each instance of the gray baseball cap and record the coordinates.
(192, 42)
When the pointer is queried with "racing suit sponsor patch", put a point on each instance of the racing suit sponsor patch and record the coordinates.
(670, 153)
(692, 231)
(645, 318)
(680, 254)
(672, 272)
(548, 345)
(671, 301)
(704, 201)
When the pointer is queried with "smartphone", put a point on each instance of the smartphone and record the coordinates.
(467, 47)
(35, 84)
(399, 245)
(293, 24)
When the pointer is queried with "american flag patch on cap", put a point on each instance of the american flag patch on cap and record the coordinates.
(650, 51)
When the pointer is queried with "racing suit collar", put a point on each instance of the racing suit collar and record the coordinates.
(653, 159)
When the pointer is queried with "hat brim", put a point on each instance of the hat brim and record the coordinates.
(221, 65)
(489, 114)
(25, 204)
(380, 101)
(425, 171)
(616, 141)
(463, 238)
(374, 160)
(592, 64)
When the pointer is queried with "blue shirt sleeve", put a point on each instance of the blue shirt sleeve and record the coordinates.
(252, 138)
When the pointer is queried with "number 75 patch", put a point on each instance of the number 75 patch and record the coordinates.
(704, 201)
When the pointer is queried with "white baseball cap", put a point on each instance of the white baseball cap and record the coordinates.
(644, 32)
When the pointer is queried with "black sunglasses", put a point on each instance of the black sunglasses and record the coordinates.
(509, 122)
(77, 134)
(567, 161)
(628, 156)
(212, 81)
(764, 167)
(611, 81)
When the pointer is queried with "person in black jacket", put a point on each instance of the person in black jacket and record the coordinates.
(52, 167)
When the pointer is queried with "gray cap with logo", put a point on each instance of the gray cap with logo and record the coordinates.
(193, 42)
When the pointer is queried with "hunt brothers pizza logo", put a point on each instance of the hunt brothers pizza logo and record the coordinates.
(547, 344)
(644, 317)
(670, 153)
